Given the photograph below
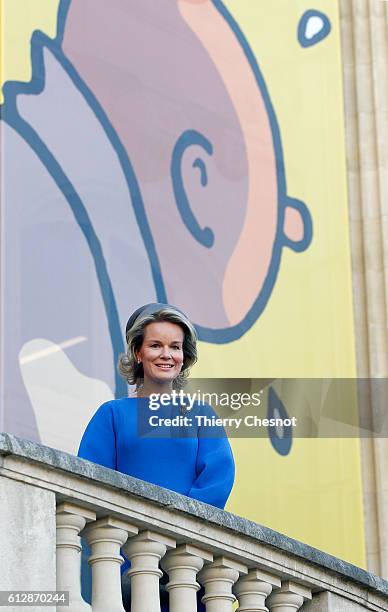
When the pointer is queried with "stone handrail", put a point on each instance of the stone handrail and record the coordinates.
(47, 498)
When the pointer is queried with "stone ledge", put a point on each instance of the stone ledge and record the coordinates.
(34, 452)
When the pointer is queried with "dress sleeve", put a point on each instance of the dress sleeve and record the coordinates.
(98, 443)
(215, 466)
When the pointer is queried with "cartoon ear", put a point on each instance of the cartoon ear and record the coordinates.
(190, 138)
(298, 225)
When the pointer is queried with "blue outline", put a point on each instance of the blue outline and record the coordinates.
(190, 138)
(82, 219)
(224, 335)
(63, 10)
(325, 31)
(10, 115)
(300, 245)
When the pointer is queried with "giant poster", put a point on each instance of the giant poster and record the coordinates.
(191, 152)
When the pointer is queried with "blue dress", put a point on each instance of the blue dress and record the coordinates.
(194, 459)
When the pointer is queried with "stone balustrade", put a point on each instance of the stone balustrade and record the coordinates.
(48, 498)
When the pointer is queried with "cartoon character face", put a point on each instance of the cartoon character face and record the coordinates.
(184, 93)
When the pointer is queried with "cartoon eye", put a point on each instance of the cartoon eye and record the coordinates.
(313, 27)
(204, 236)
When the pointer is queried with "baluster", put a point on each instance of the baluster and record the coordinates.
(288, 598)
(218, 579)
(253, 589)
(71, 519)
(182, 566)
(105, 537)
(144, 552)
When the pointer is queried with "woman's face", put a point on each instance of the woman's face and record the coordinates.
(161, 353)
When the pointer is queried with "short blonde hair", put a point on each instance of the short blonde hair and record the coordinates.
(133, 371)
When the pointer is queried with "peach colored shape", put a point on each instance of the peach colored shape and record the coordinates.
(155, 81)
(293, 224)
(249, 263)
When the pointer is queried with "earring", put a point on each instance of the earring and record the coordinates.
(139, 361)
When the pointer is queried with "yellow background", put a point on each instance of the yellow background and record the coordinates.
(315, 493)
(19, 18)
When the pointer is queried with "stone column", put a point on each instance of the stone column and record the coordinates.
(144, 552)
(182, 566)
(71, 519)
(364, 36)
(218, 579)
(105, 538)
(289, 598)
(253, 589)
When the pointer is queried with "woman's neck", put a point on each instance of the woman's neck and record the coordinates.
(149, 387)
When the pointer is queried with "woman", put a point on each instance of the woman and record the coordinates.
(161, 348)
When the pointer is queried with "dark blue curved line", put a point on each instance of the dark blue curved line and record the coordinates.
(225, 335)
(128, 171)
(303, 243)
(325, 31)
(200, 164)
(189, 138)
(35, 86)
(63, 10)
(229, 334)
(219, 5)
(218, 336)
(82, 219)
